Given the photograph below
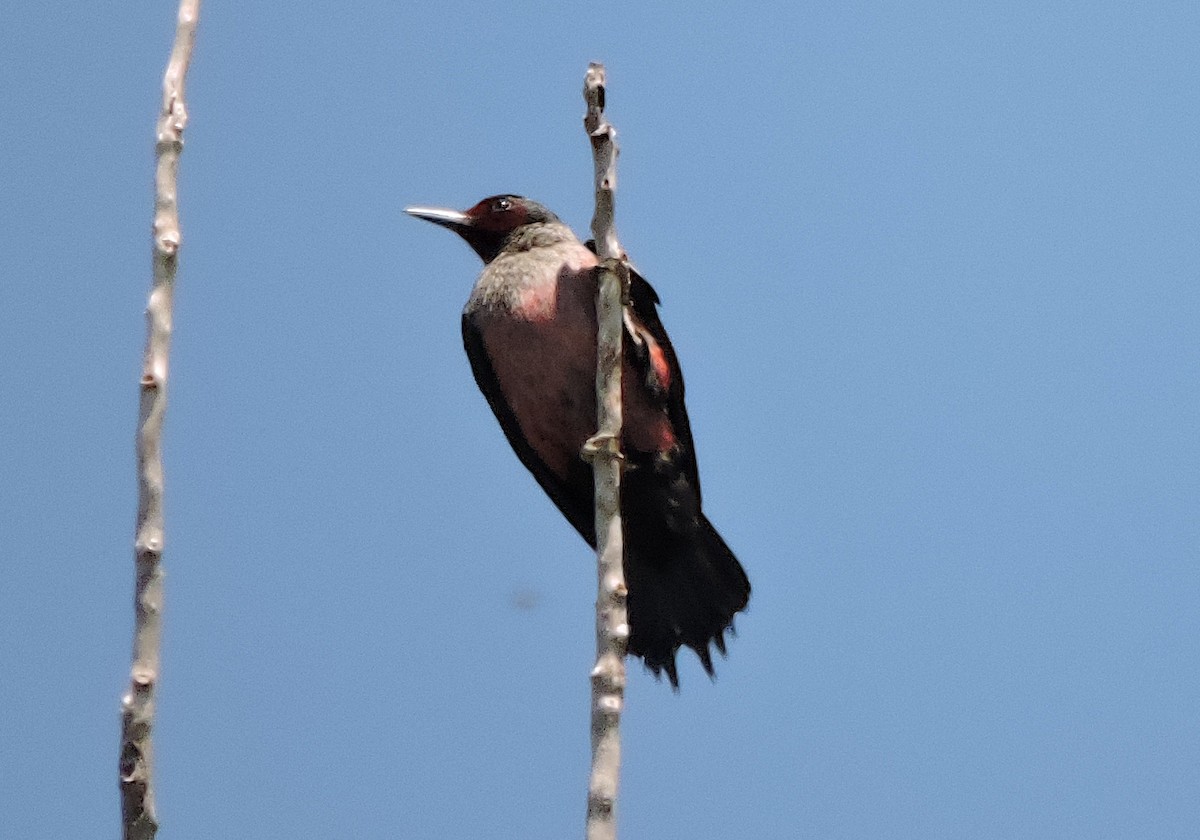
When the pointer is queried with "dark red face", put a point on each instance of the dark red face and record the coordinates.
(489, 224)
(492, 220)
(506, 213)
(499, 214)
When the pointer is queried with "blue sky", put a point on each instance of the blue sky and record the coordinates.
(932, 273)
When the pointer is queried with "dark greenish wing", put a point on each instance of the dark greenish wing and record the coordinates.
(644, 302)
(574, 497)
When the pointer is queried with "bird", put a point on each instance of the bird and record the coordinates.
(529, 328)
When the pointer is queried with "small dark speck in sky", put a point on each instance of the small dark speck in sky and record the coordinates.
(525, 599)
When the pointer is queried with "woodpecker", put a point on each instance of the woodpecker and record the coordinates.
(529, 327)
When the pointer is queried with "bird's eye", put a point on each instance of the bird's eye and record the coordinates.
(502, 204)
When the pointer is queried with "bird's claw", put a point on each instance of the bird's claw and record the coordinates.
(601, 445)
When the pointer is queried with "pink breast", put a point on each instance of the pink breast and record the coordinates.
(544, 356)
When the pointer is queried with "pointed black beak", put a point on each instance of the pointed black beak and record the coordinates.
(455, 220)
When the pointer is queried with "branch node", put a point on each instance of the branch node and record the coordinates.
(168, 242)
(609, 704)
(614, 586)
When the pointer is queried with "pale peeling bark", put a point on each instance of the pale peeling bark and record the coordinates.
(604, 451)
(139, 817)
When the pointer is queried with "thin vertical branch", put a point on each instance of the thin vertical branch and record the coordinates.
(139, 817)
(604, 450)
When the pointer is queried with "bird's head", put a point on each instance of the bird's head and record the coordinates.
(490, 224)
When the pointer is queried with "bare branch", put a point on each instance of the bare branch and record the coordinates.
(139, 817)
(604, 450)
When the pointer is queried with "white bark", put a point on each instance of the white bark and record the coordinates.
(139, 817)
(604, 450)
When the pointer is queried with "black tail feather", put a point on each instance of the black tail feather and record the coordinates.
(684, 590)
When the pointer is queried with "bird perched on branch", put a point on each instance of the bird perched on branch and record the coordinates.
(529, 328)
